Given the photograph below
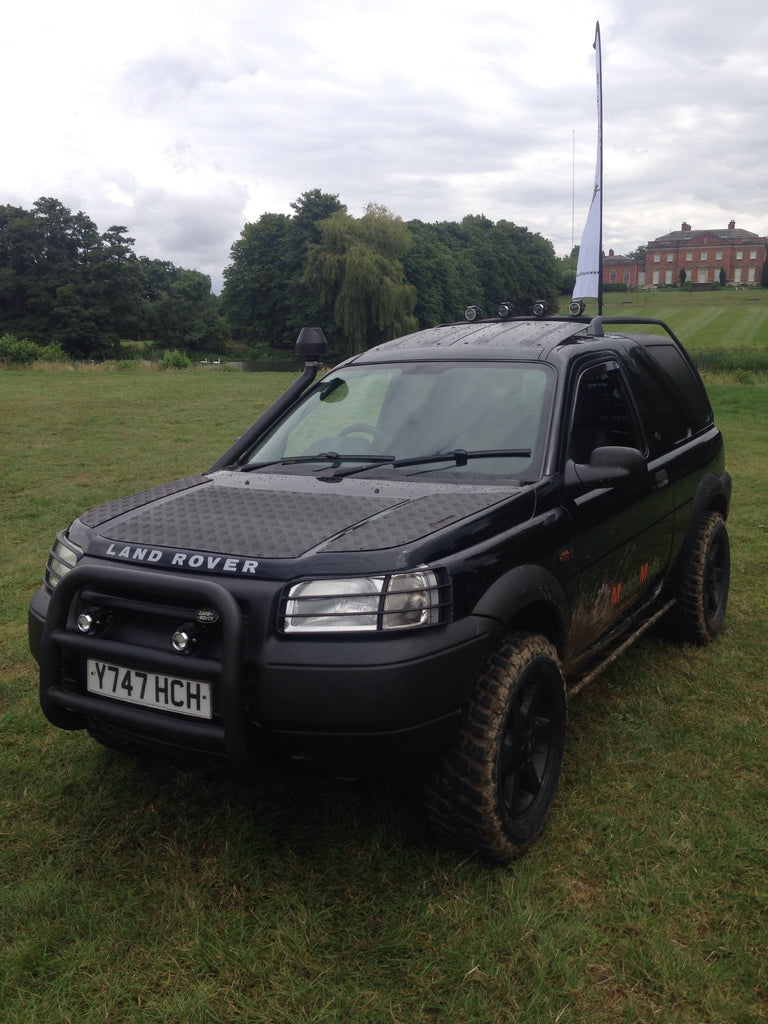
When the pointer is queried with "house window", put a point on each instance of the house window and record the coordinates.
(626, 277)
(739, 254)
(657, 257)
(612, 277)
(703, 257)
(703, 274)
(670, 257)
(655, 277)
(719, 255)
(668, 277)
(689, 257)
(737, 275)
(753, 254)
(751, 275)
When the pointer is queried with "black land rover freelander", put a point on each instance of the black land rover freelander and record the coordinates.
(405, 567)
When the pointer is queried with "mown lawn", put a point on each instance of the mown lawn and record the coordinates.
(724, 330)
(130, 892)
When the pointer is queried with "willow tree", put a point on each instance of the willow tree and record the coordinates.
(357, 265)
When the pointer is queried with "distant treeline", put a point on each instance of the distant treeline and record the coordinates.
(368, 279)
(363, 280)
(62, 283)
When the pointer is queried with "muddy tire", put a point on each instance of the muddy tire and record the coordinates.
(491, 793)
(704, 582)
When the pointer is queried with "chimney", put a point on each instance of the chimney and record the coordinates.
(685, 227)
(611, 252)
(731, 225)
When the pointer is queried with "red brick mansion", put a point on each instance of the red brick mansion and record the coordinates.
(730, 256)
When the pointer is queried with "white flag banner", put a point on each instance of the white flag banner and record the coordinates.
(590, 264)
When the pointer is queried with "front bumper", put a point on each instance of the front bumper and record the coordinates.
(342, 705)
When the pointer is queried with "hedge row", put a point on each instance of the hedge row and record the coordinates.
(21, 351)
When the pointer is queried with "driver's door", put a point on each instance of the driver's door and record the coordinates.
(623, 531)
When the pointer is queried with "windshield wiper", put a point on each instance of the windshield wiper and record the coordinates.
(298, 460)
(459, 457)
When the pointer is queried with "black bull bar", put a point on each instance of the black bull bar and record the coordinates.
(70, 710)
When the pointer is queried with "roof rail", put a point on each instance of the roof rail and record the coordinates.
(595, 328)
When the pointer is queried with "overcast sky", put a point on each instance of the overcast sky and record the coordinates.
(184, 119)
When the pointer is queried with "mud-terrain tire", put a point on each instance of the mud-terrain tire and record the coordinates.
(491, 793)
(704, 582)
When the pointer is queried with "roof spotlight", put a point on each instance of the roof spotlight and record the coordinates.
(577, 307)
(472, 313)
(541, 308)
(506, 310)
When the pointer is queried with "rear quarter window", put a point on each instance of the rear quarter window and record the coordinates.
(671, 399)
(685, 379)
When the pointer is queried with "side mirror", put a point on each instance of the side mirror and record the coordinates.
(609, 466)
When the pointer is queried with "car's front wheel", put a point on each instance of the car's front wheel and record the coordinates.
(491, 793)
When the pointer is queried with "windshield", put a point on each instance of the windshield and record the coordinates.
(486, 418)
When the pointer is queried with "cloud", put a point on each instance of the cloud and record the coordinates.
(158, 83)
(182, 120)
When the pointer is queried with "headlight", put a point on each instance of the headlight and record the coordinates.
(63, 557)
(365, 603)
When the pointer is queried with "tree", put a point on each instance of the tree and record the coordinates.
(179, 310)
(683, 276)
(566, 268)
(256, 298)
(502, 262)
(438, 274)
(63, 283)
(365, 279)
(185, 315)
(265, 297)
(157, 277)
(18, 258)
(309, 210)
(357, 265)
(117, 280)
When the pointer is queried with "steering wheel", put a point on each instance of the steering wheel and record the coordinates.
(364, 428)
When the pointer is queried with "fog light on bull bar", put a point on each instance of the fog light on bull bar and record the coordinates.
(185, 639)
(85, 622)
(91, 621)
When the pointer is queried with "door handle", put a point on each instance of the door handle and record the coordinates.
(661, 478)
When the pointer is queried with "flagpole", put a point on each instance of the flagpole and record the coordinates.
(589, 270)
(599, 60)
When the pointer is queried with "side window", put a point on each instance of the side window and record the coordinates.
(670, 413)
(686, 383)
(602, 413)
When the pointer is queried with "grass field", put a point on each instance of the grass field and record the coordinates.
(130, 892)
(725, 329)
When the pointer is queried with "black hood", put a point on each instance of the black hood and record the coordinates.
(275, 516)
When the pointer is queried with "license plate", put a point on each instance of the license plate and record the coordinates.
(150, 689)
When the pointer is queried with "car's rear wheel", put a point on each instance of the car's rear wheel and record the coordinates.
(491, 793)
(704, 582)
